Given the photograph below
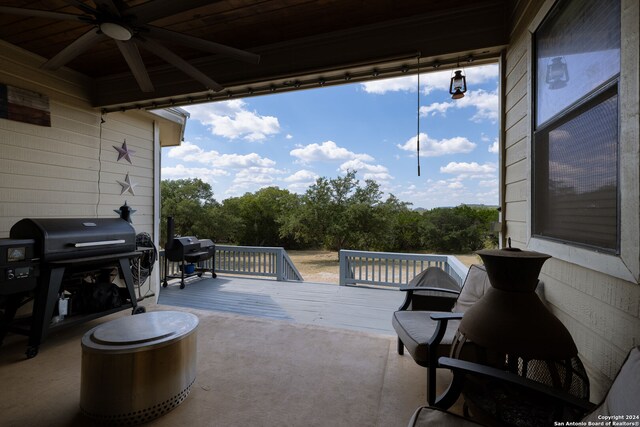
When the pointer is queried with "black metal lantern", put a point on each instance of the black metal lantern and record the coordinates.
(557, 73)
(458, 85)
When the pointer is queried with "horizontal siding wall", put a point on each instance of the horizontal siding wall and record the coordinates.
(70, 169)
(601, 312)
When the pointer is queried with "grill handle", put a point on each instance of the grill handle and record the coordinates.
(100, 243)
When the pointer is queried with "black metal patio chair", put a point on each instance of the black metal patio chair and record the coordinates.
(427, 320)
(519, 401)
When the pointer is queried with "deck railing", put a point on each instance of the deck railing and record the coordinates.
(247, 260)
(393, 269)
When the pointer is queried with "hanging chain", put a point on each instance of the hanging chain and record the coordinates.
(418, 119)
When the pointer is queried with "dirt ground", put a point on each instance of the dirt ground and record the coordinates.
(324, 266)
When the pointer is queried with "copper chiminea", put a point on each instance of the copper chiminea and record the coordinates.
(511, 329)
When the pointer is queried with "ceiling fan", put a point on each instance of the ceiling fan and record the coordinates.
(129, 28)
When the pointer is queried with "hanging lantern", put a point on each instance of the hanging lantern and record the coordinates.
(458, 85)
(557, 73)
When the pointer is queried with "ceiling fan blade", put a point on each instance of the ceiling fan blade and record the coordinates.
(201, 44)
(173, 59)
(131, 54)
(154, 10)
(40, 13)
(81, 44)
(82, 6)
(109, 6)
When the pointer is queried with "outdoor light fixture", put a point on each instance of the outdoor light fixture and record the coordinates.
(557, 73)
(458, 85)
(115, 31)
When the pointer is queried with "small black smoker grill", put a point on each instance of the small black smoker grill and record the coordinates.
(186, 250)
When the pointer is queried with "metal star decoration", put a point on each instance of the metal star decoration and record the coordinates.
(127, 185)
(125, 212)
(124, 152)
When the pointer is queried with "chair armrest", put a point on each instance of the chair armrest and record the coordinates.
(447, 316)
(461, 368)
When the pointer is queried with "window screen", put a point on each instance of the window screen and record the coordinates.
(576, 197)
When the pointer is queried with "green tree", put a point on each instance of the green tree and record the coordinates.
(191, 204)
(340, 213)
(259, 214)
(457, 230)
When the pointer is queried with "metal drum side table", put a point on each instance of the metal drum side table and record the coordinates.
(137, 368)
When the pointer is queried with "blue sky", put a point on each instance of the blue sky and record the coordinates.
(290, 139)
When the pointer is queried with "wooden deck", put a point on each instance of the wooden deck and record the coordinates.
(356, 308)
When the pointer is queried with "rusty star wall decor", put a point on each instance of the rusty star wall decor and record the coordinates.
(124, 152)
(127, 185)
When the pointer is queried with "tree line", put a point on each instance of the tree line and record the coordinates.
(333, 214)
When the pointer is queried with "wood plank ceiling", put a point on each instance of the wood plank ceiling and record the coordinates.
(299, 41)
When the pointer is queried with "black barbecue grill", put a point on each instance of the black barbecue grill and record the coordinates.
(188, 251)
(69, 250)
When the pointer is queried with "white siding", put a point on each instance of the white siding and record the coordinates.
(602, 312)
(70, 169)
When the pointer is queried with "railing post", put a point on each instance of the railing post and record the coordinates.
(280, 266)
(343, 268)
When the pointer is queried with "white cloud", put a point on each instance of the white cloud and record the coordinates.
(396, 84)
(489, 183)
(257, 175)
(299, 187)
(189, 152)
(378, 177)
(493, 148)
(186, 149)
(435, 108)
(302, 176)
(368, 171)
(437, 80)
(289, 136)
(232, 120)
(468, 168)
(359, 165)
(300, 181)
(183, 172)
(431, 194)
(327, 151)
(252, 179)
(485, 103)
(433, 147)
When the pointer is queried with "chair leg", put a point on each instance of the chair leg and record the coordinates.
(400, 347)
(431, 384)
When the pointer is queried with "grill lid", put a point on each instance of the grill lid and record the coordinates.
(70, 238)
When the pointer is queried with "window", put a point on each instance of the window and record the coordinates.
(576, 129)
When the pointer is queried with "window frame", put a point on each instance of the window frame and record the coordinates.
(572, 111)
(626, 264)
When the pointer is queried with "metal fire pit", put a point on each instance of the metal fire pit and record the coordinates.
(137, 368)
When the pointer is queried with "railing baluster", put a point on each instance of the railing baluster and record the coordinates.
(386, 270)
(393, 271)
(366, 268)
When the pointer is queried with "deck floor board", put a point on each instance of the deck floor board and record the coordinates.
(349, 307)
